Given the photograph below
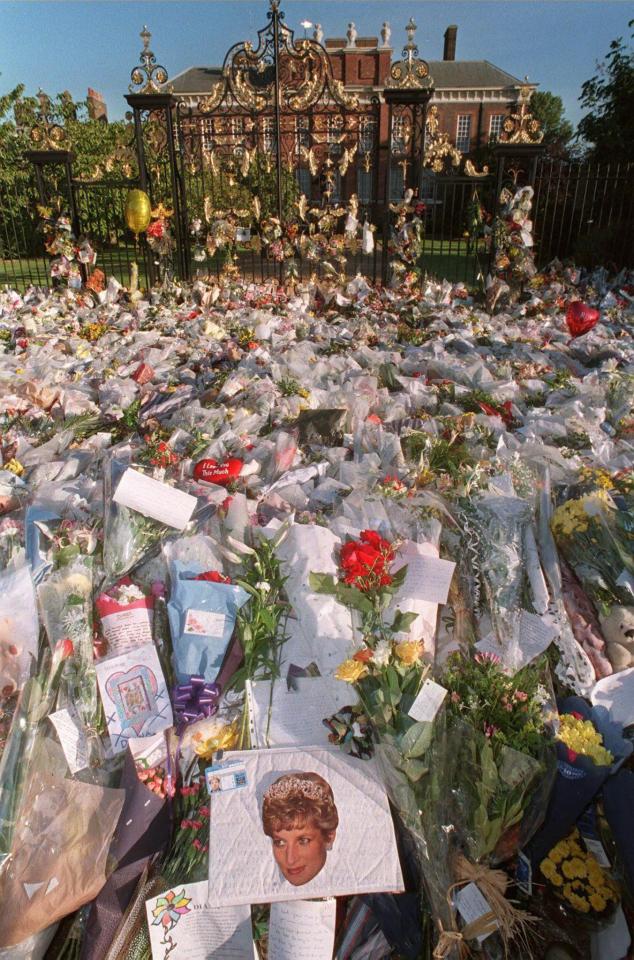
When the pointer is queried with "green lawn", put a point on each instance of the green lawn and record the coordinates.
(452, 260)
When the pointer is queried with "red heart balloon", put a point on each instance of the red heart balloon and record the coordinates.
(581, 318)
(220, 473)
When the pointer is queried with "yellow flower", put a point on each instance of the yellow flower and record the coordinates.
(555, 879)
(597, 903)
(409, 651)
(548, 868)
(573, 868)
(14, 466)
(580, 903)
(582, 737)
(351, 670)
(558, 853)
(224, 738)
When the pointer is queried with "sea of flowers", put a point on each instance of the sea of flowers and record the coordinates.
(423, 509)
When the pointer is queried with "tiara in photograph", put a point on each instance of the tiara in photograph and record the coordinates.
(294, 786)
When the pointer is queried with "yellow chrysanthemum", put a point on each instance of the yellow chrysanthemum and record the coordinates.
(555, 879)
(579, 903)
(351, 670)
(548, 868)
(573, 868)
(409, 651)
(598, 903)
(582, 737)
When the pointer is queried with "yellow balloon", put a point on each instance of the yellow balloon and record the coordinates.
(138, 211)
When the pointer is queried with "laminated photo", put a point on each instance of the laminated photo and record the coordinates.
(297, 829)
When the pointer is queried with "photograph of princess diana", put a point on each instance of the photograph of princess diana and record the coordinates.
(297, 829)
(300, 816)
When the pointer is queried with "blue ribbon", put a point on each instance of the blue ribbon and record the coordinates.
(195, 700)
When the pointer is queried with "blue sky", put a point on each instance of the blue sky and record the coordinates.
(72, 45)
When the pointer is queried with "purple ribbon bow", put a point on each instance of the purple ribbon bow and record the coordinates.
(196, 700)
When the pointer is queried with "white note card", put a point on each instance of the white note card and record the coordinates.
(428, 702)
(616, 694)
(71, 737)
(429, 578)
(154, 499)
(284, 718)
(471, 904)
(200, 932)
(302, 930)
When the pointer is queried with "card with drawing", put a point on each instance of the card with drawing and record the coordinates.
(134, 695)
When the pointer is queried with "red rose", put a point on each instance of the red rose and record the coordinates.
(156, 229)
(221, 474)
(213, 576)
(580, 318)
(363, 655)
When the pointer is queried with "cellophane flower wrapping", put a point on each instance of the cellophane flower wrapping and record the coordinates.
(59, 854)
(129, 537)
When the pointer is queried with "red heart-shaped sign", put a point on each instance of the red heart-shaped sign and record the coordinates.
(220, 473)
(581, 318)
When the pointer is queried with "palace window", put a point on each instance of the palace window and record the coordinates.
(495, 125)
(463, 133)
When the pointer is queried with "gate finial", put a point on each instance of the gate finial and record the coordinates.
(410, 72)
(150, 77)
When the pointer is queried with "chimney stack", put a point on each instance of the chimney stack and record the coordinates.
(451, 33)
(97, 109)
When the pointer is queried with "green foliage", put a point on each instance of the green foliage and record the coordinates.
(558, 132)
(608, 127)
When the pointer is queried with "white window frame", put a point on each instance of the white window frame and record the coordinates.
(499, 118)
(463, 139)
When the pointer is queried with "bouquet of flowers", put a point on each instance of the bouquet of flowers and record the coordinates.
(573, 874)
(513, 238)
(594, 531)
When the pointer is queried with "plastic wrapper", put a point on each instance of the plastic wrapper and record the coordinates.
(19, 630)
(58, 859)
(202, 617)
(129, 537)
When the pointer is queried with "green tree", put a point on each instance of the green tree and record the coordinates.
(608, 127)
(558, 132)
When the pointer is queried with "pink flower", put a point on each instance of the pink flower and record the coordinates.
(455, 697)
(490, 729)
(520, 696)
(484, 658)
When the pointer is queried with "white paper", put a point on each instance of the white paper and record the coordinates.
(294, 717)
(71, 737)
(127, 628)
(471, 905)
(302, 930)
(429, 578)
(534, 635)
(597, 849)
(411, 599)
(134, 695)
(428, 702)
(245, 866)
(616, 694)
(154, 499)
(201, 932)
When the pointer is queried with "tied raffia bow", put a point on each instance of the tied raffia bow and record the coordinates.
(503, 916)
(196, 700)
